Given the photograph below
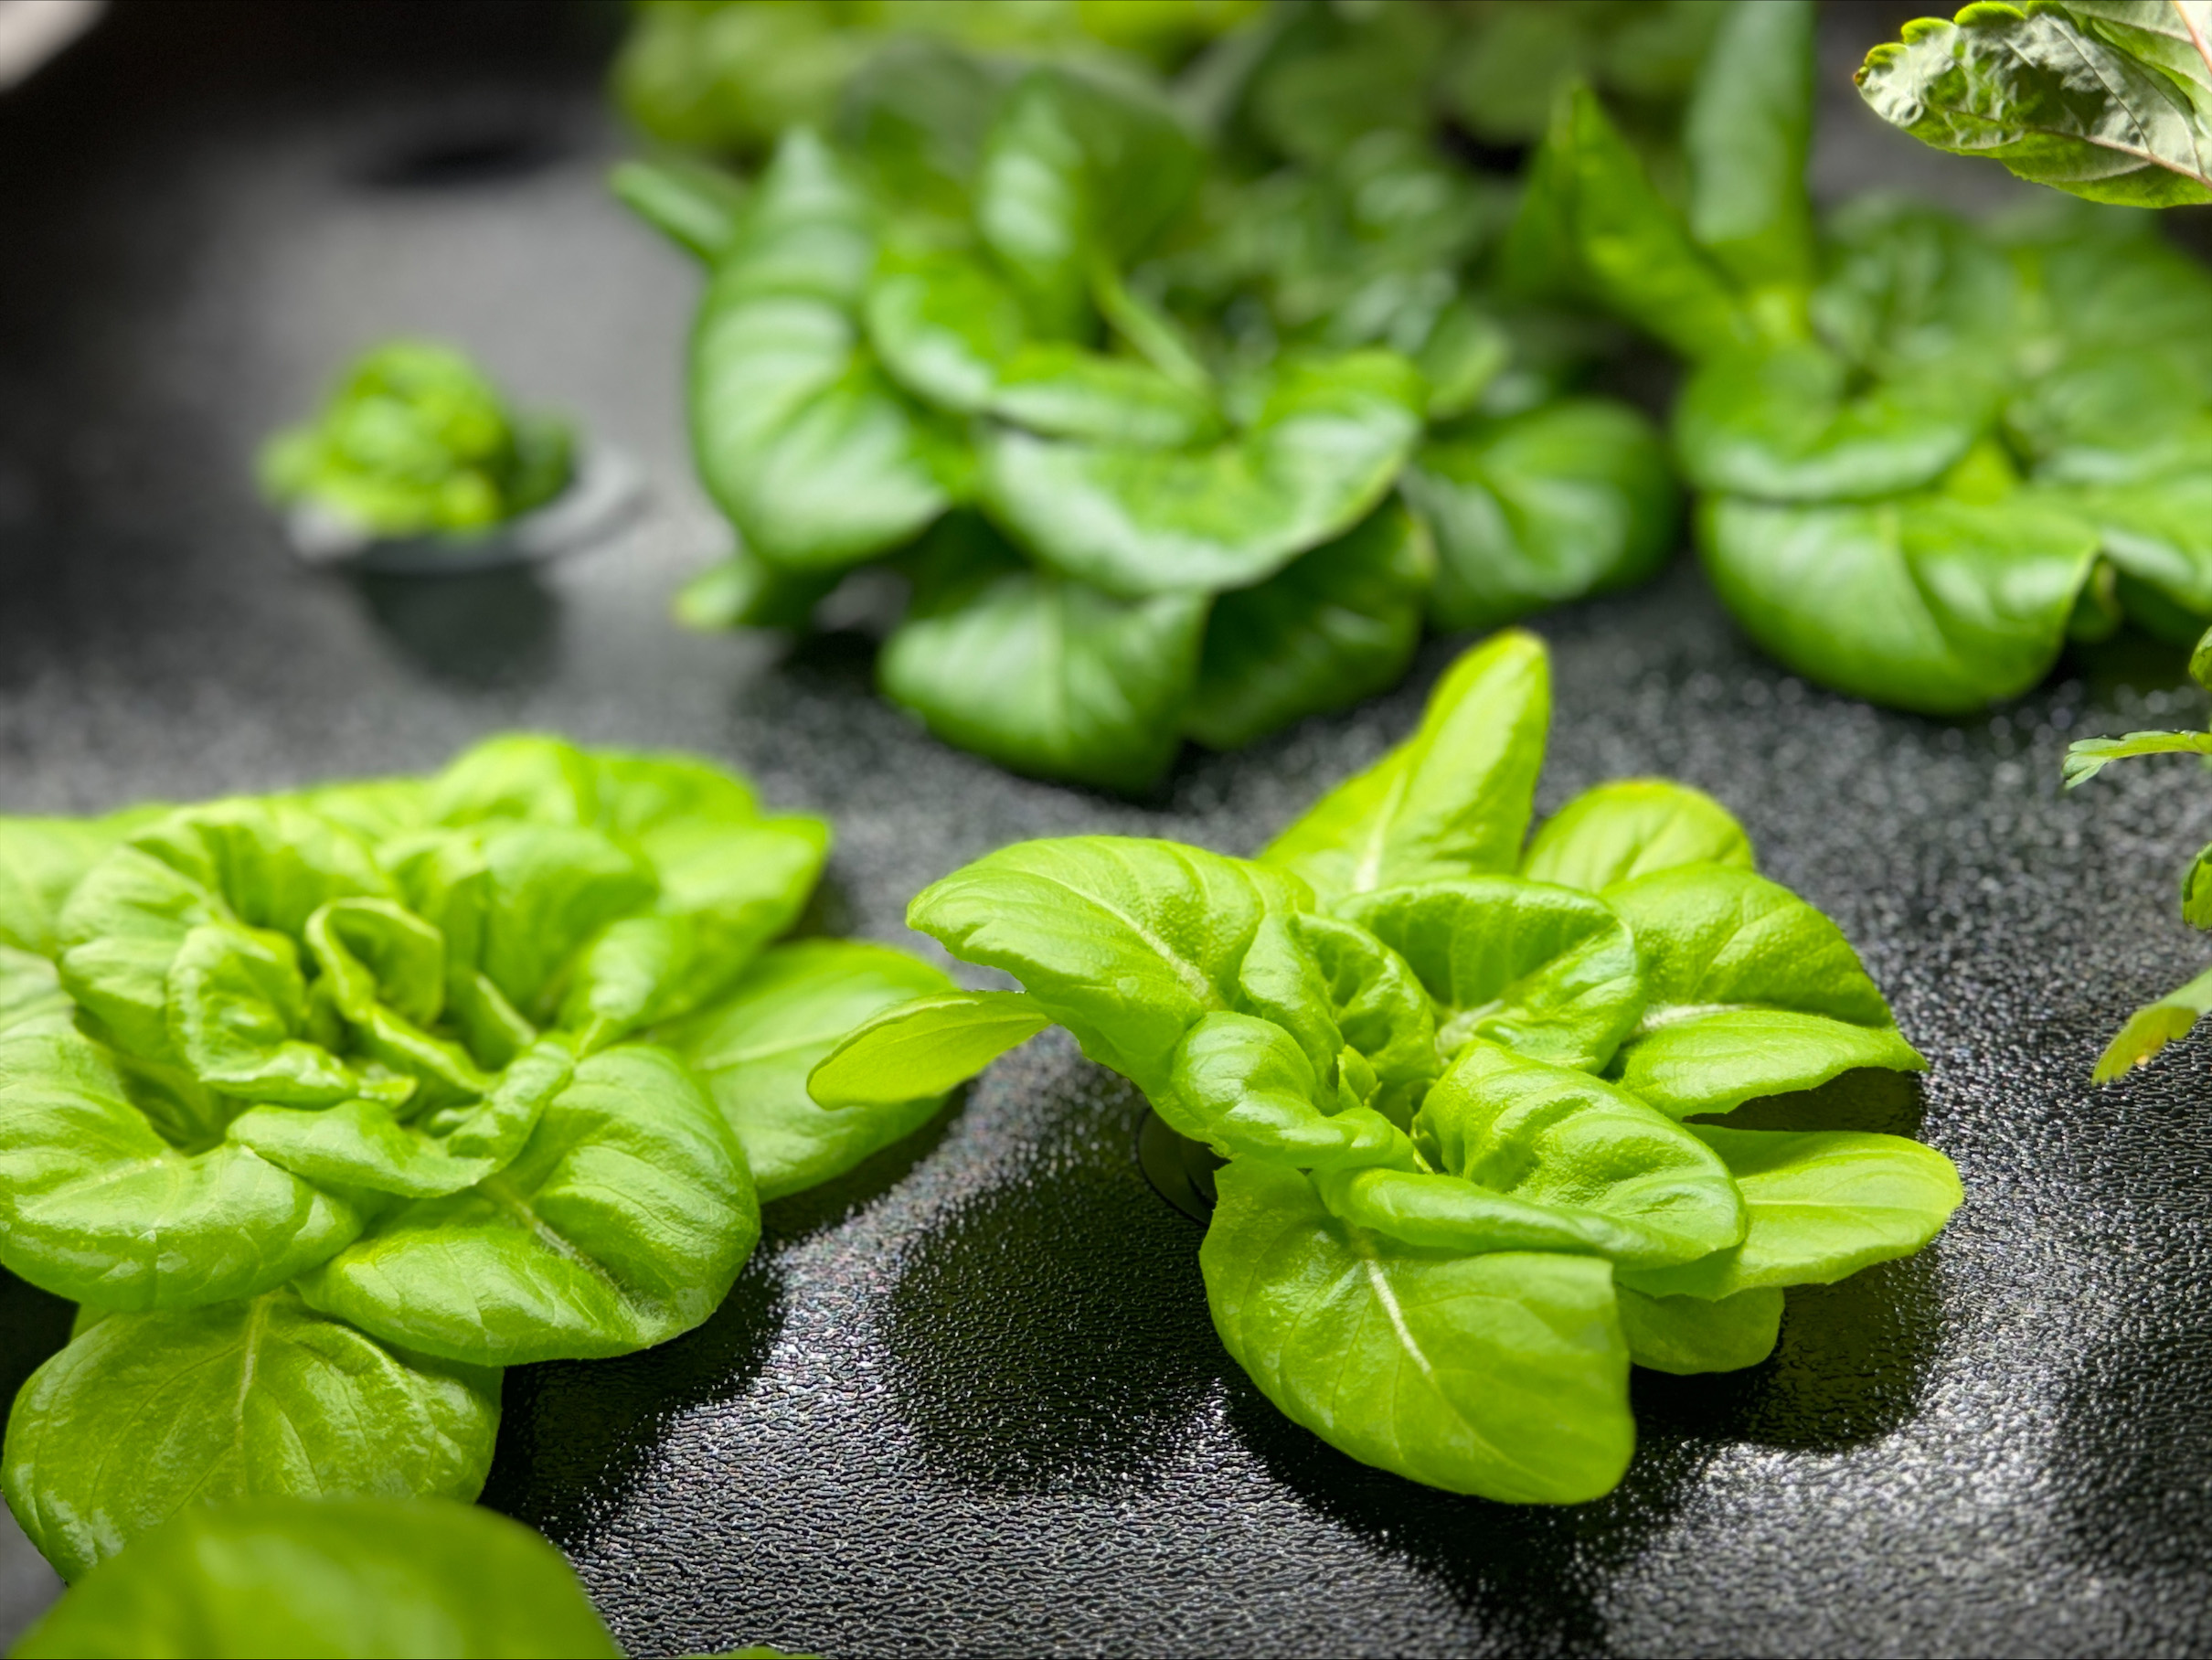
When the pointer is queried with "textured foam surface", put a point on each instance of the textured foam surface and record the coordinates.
(968, 1400)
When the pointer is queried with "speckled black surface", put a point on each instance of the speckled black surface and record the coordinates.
(968, 1400)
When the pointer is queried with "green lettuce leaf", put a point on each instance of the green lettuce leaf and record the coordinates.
(280, 1576)
(1567, 500)
(1503, 1375)
(1553, 1136)
(1749, 992)
(930, 1045)
(1686, 1336)
(146, 1415)
(1332, 627)
(1821, 1205)
(621, 1224)
(1922, 601)
(755, 1047)
(1631, 827)
(1326, 442)
(1453, 801)
(816, 456)
(1041, 673)
(1550, 972)
(1127, 944)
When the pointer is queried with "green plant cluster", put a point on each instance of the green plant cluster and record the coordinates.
(729, 76)
(1166, 444)
(2110, 99)
(1928, 451)
(336, 1576)
(1471, 1085)
(414, 441)
(326, 1107)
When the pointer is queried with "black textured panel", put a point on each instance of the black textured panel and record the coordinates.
(969, 1400)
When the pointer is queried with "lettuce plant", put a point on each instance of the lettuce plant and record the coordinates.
(1162, 451)
(1471, 1085)
(414, 441)
(2150, 1028)
(326, 1107)
(2110, 99)
(1928, 451)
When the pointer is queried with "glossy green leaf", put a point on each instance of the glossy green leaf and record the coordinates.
(1376, 1002)
(1128, 944)
(97, 1207)
(1631, 827)
(41, 860)
(1747, 134)
(818, 459)
(924, 1047)
(1691, 1335)
(1592, 215)
(747, 591)
(1503, 1375)
(952, 332)
(1242, 1086)
(29, 989)
(145, 1415)
(1332, 627)
(1788, 423)
(755, 1047)
(2151, 1027)
(1327, 440)
(1750, 992)
(1553, 1136)
(1550, 972)
(693, 206)
(289, 1576)
(363, 1144)
(621, 1224)
(1923, 603)
(1569, 499)
(1823, 1205)
(1453, 801)
(2108, 101)
(2159, 534)
(1076, 169)
(1042, 673)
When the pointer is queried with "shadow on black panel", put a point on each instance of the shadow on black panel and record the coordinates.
(1852, 1367)
(483, 630)
(34, 1325)
(576, 1437)
(2132, 1463)
(1052, 1335)
(1871, 1101)
(1533, 1575)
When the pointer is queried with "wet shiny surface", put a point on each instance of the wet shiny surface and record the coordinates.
(969, 1399)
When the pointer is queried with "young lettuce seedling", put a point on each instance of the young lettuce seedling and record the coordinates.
(1464, 1081)
(327, 1106)
(2150, 1028)
(1927, 449)
(415, 441)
